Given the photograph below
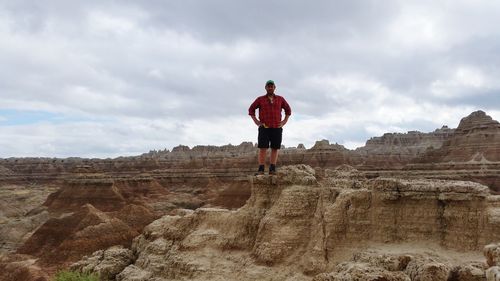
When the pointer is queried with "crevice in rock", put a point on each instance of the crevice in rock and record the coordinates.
(323, 229)
(441, 220)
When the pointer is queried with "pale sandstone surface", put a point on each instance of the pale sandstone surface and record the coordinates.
(298, 228)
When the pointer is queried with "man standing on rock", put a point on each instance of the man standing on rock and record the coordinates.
(270, 124)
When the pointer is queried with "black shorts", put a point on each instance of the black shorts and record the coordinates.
(270, 135)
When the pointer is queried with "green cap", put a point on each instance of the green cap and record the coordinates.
(270, 82)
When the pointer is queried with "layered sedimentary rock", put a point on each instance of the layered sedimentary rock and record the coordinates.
(94, 213)
(296, 225)
(476, 140)
(21, 213)
(69, 238)
(472, 150)
(4, 171)
(474, 147)
(225, 162)
(394, 150)
(104, 193)
(350, 200)
(25, 208)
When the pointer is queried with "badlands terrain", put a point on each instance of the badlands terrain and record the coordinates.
(412, 206)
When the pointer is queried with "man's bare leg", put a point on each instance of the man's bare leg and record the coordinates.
(274, 156)
(262, 156)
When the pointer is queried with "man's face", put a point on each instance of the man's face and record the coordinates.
(270, 88)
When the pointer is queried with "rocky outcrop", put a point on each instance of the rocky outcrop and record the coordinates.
(360, 271)
(104, 193)
(476, 140)
(470, 150)
(294, 224)
(107, 263)
(5, 172)
(21, 267)
(68, 238)
(492, 254)
(403, 265)
(305, 220)
(394, 150)
(477, 135)
(474, 147)
(21, 213)
(69, 227)
(224, 161)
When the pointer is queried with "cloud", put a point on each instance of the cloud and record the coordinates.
(464, 81)
(134, 76)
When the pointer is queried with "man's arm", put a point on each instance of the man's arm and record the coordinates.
(282, 123)
(288, 112)
(255, 120)
(251, 112)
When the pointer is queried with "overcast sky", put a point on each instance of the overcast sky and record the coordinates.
(110, 78)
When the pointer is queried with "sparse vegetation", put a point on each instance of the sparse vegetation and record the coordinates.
(75, 276)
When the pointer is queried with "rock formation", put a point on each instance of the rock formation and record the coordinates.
(21, 267)
(394, 150)
(121, 214)
(315, 221)
(106, 194)
(69, 238)
(492, 254)
(476, 140)
(21, 213)
(474, 147)
(296, 225)
(108, 263)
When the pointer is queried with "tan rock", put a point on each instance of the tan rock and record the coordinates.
(68, 238)
(288, 227)
(360, 272)
(107, 263)
(21, 213)
(492, 254)
(468, 272)
(297, 174)
(427, 270)
(133, 273)
(21, 267)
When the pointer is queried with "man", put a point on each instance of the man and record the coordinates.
(270, 124)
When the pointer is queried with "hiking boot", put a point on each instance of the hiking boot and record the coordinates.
(272, 169)
(260, 171)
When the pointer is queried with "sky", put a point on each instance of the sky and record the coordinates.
(119, 78)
